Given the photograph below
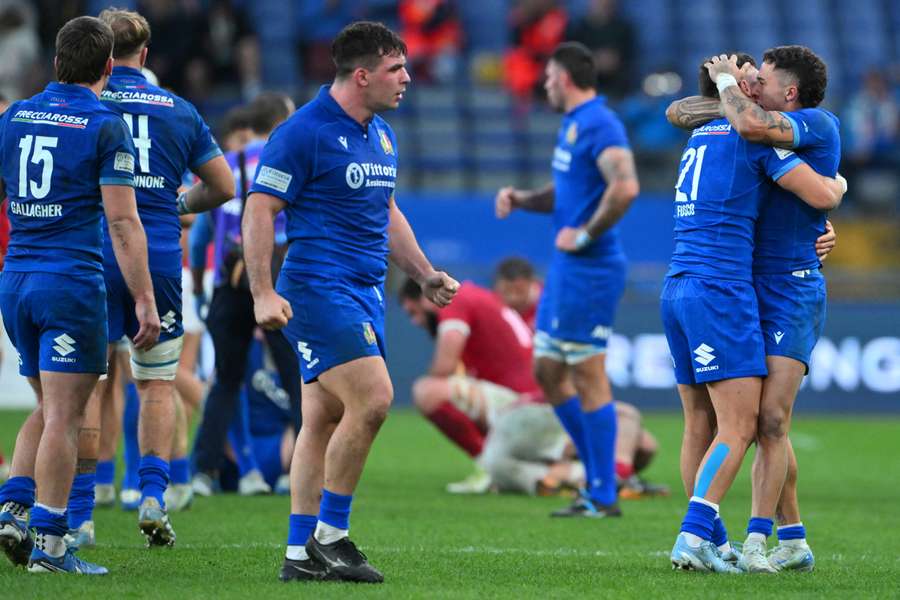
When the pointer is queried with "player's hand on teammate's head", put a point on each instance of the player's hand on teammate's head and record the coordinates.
(272, 311)
(148, 324)
(503, 202)
(723, 64)
(826, 242)
(440, 288)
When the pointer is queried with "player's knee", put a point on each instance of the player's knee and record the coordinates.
(773, 425)
(377, 411)
(159, 363)
(427, 394)
(625, 411)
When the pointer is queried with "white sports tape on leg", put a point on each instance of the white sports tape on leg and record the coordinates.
(159, 362)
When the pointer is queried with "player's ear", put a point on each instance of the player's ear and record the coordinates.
(361, 76)
(144, 53)
(109, 67)
(791, 93)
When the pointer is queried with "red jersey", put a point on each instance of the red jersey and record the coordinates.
(498, 342)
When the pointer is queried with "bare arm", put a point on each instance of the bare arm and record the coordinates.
(755, 124)
(693, 111)
(823, 193)
(258, 231)
(447, 352)
(215, 188)
(406, 254)
(539, 200)
(130, 246)
(617, 166)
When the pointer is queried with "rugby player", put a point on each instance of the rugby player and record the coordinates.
(493, 344)
(62, 155)
(170, 137)
(710, 312)
(594, 183)
(332, 167)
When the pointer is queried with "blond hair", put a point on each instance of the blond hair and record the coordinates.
(130, 28)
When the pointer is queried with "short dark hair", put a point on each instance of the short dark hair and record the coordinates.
(267, 110)
(578, 62)
(235, 119)
(806, 66)
(362, 44)
(514, 268)
(410, 290)
(707, 86)
(83, 46)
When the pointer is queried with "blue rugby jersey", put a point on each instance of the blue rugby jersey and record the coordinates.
(169, 138)
(586, 131)
(56, 150)
(788, 227)
(721, 181)
(337, 178)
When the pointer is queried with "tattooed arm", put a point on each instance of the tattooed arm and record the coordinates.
(694, 111)
(755, 124)
(617, 166)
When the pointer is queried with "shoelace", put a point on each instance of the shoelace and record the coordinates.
(348, 542)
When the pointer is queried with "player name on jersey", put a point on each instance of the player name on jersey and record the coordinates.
(150, 182)
(41, 211)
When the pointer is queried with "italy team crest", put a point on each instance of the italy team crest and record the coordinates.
(572, 133)
(386, 144)
(369, 333)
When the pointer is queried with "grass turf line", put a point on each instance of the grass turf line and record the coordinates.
(432, 545)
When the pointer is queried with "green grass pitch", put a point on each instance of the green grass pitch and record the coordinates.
(432, 545)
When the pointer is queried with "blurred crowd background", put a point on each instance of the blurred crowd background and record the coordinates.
(474, 118)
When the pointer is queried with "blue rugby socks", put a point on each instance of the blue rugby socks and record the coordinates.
(334, 517)
(600, 435)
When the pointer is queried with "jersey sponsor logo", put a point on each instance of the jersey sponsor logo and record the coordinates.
(572, 134)
(167, 321)
(306, 352)
(39, 117)
(369, 334)
(127, 97)
(778, 335)
(562, 159)
(343, 142)
(64, 346)
(712, 130)
(783, 153)
(150, 182)
(386, 144)
(703, 354)
(124, 162)
(275, 179)
(40, 211)
(368, 174)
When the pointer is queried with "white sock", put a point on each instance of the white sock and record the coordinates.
(755, 538)
(692, 540)
(296, 553)
(726, 547)
(327, 534)
(52, 545)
